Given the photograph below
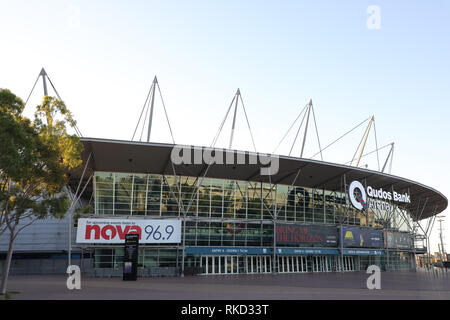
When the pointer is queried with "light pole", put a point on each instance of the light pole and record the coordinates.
(441, 218)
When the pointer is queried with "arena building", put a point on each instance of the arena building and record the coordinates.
(211, 211)
(221, 217)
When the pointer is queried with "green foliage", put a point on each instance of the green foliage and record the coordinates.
(34, 159)
(79, 212)
(10, 104)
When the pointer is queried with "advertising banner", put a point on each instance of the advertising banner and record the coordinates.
(312, 235)
(114, 230)
(355, 237)
(398, 240)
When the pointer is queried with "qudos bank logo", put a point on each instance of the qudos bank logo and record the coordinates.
(357, 195)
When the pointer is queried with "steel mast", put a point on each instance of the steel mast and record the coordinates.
(152, 102)
(364, 140)
(238, 93)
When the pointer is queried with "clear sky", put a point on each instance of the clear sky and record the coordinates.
(102, 57)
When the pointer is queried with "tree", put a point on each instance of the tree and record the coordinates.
(34, 158)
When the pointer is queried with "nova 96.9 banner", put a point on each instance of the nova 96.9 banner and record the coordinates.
(115, 230)
(311, 235)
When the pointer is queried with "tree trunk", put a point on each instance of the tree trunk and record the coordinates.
(7, 265)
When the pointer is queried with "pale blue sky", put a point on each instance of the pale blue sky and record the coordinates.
(103, 55)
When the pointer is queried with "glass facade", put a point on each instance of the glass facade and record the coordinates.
(230, 213)
(157, 195)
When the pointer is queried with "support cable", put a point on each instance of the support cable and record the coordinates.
(369, 153)
(248, 123)
(287, 132)
(32, 90)
(145, 104)
(165, 111)
(392, 157)
(431, 226)
(233, 124)
(421, 228)
(57, 94)
(146, 107)
(359, 145)
(216, 137)
(81, 179)
(340, 138)
(146, 112)
(388, 156)
(376, 143)
(317, 132)
(306, 128)
(44, 74)
(298, 131)
(74, 201)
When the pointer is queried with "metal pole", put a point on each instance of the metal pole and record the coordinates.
(152, 102)
(72, 205)
(341, 240)
(392, 157)
(306, 128)
(342, 247)
(234, 117)
(317, 133)
(442, 243)
(44, 74)
(414, 248)
(428, 252)
(70, 237)
(274, 263)
(184, 245)
(388, 156)
(387, 257)
(366, 134)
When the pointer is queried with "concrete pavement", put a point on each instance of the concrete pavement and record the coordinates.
(342, 286)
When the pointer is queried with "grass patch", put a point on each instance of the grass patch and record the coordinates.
(8, 295)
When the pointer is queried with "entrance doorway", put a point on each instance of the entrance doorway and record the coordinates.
(350, 263)
(298, 264)
(292, 264)
(218, 265)
(258, 264)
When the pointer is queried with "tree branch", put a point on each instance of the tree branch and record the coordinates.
(24, 226)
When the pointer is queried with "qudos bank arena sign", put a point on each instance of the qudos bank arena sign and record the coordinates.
(362, 198)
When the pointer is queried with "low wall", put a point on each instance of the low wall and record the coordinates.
(41, 266)
(142, 273)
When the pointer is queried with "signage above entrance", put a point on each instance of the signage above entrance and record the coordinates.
(306, 251)
(227, 251)
(363, 252)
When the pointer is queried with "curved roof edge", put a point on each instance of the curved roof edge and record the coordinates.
(143, 157)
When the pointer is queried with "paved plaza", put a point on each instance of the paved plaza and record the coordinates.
(394, 285)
